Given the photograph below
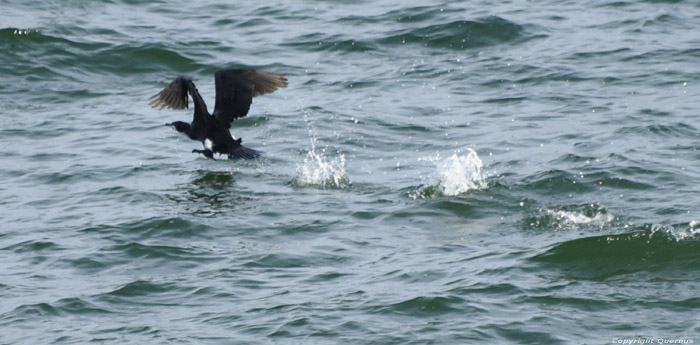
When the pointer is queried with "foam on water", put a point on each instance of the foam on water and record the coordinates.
(320, 170)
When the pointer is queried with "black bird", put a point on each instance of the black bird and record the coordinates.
(235, 89)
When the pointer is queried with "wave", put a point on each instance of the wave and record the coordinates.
(142, 288)
(587, 180)
(157, 252)
(289, 260)
(453, 35)
(402, 15)
(71, 305)
(427, 306)
(661, 250)
(460, 35)
(43, 55)
(151, 228)
(32, 246)
(673, 130)
(335, 43)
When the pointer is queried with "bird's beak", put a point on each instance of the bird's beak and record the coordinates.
(169, 124)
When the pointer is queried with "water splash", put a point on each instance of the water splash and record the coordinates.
(571, 217)
(680, 232)
(454, 175)
(21, 32)
(321, 171)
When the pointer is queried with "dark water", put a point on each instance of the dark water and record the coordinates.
(444, 173)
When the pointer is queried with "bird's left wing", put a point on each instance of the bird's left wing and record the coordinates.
(173, 96)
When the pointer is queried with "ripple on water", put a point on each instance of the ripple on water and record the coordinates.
(335, 43)
(33, 246)
(141, 288)
(673, 130)
(152, 228)
(159, 252)
(62, 307)
(286, 260)
(459, 35)
(424, 306)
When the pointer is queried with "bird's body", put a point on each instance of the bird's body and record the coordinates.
(235, 90)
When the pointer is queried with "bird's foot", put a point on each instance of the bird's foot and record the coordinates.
(207, 153)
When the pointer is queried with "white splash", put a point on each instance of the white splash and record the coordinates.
(572, 218)
(692, 232)
(25, 31)
(459, 173)
(455, 175)
(319, 170)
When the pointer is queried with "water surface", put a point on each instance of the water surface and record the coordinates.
(445, 173)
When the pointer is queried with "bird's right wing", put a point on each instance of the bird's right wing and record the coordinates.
(235, 89)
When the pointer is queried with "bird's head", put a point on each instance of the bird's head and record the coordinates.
(182, 127)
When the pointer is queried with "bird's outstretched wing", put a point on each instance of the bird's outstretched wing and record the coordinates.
(174, 96)
(235, 89)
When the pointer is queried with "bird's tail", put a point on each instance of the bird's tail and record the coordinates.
(244, 153)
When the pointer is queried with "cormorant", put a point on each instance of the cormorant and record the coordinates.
(235, 89)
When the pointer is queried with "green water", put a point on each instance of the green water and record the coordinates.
(445, 173)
